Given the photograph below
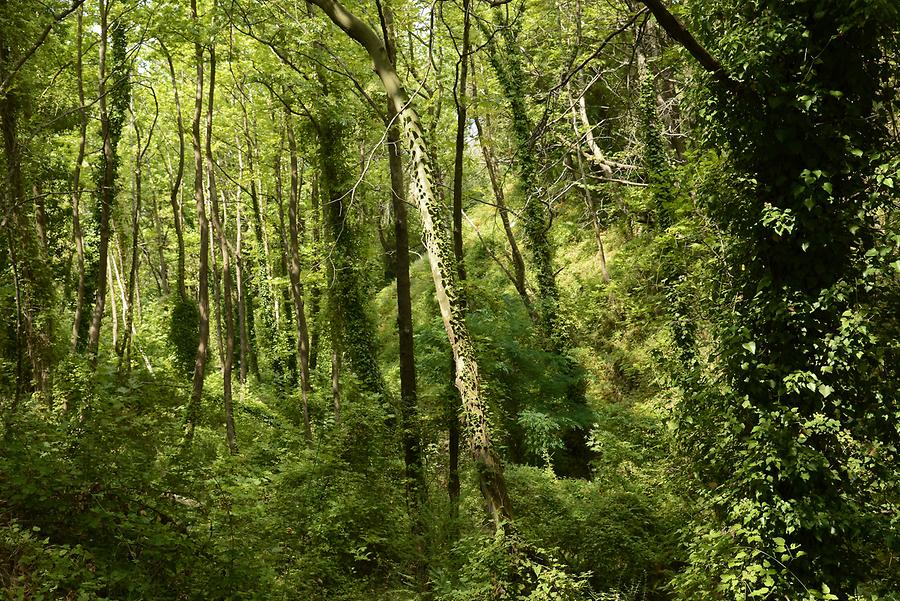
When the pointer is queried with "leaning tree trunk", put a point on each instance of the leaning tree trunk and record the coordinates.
(459, 98)
(440, 253)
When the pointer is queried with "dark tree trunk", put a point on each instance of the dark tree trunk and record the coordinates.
(294, 225)
(203, 229)
(218, 222)
(77, 231)
(177, 218)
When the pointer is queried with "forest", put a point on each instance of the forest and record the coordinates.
(450, 300)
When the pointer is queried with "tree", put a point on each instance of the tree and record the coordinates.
(203, 228)
(490, 471)
(800, 397)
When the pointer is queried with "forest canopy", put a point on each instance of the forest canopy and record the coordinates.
(450, 300)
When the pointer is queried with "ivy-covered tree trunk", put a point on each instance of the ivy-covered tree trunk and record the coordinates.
(112, 118)
(440, 253)
(507, 64)
(348, 296)
(789, 445)
(33, 287)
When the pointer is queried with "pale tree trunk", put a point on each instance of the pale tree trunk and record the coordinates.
(135, 233)
(160, 249)
(217, 288)
(203, 230)
(440, 251)
(260, 287)
(597, 157)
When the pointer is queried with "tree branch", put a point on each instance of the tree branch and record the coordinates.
(56, 19)
(677, 32)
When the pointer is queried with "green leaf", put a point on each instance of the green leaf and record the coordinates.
(750, 346)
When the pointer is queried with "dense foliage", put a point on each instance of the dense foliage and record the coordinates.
(564, 301)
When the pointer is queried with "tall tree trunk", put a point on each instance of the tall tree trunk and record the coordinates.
(218, 222)
(412, 443)
(460, 100)
(518, 263)
(217, 288)
(77, 232)
(488, 466)
(106, 190)
(241, 272)
(507, 64)
(287, 360)
(349, 300)
(135, 233)
(160, 249)
(34, 291)
(177, 217)
(193, 413)
(315, 292)
(294, 225)
(112, 118)
(263, 286)
(239, 280)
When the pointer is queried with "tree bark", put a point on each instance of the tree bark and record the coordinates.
(294, 225)
(518, 263)
(677, 31)
(125, 349)
(239, 275)
(460, 100)
(177, 218)
(226, 254)
(412, 443)
(193, 413)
